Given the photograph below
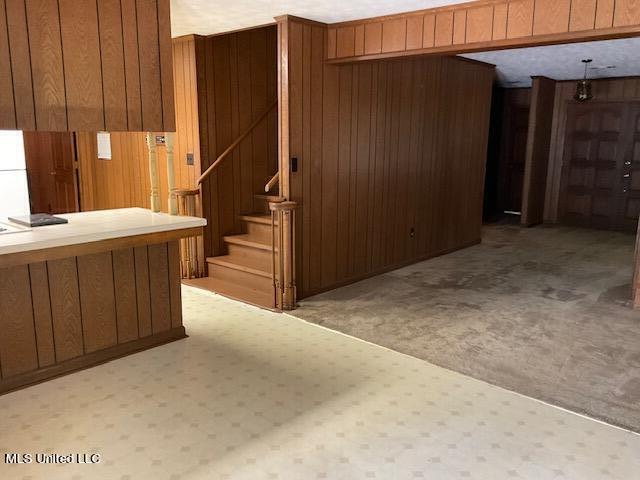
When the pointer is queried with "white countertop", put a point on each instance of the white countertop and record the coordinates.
(94, 226)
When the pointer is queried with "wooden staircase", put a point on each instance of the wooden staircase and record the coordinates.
(245, 271)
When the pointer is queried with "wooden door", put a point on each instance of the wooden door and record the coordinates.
(51, 170)
(516, 145)
(593, 162)
(630, 198)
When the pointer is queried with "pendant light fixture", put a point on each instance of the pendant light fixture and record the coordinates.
(583, 88)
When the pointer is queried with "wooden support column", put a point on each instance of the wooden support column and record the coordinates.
(283, 106)
(173, 205)
(153, 172)
(537, 155)
(285, 269)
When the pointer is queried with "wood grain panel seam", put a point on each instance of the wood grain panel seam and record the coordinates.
(64, 74)
(150, 299)
(124, 67)
(104, 106)
(115, 295)
(139, 69)
(160, 65)
(595, 14)
(135, 283)
(533, 18)
(33, 318)
(13, 90)
(33, 91)
(53, 331)
(82, 330)
(493, 20)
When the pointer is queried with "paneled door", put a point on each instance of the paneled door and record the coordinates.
(597, 186)
(51, 171)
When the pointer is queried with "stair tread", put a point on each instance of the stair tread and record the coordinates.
(229, 262)
(266, 196)
(248, 240)
(263, 218)
(258, 298)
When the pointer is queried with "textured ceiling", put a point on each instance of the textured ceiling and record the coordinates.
(562, 62)
(205, 17)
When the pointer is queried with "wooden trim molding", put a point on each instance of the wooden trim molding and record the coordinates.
(55, 253)
(481, 25)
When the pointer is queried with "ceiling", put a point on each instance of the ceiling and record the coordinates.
(206, 17)
(563, 62)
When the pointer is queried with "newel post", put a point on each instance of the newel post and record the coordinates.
(153, 172)
(171, 180)
(283, 216)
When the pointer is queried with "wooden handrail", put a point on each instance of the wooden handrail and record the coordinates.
(275, 179)
(237, 141)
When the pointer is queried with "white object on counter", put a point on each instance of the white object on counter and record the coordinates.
(85, 227)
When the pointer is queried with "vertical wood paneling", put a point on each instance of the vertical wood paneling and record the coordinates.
(149, 58)
(604, 13)
(627, 12)
(359, 40)
(428, 31)
(97, 301)
(166, 62)
(47, 67)
(459, 27)
(132, 64)
(175, 295)
(65, 308)
(551, 16)
(389, 181)
(159, 288)
(332, 42)
(444, 29)
(236, 78)
(42, 314)
(143, 294)
(414, 32)
(372, 38)
(18, 340)
(20, 65)
(82, 66)
(500, 14)
(75, 65)
(7, 106)
(394, 35)
(124, 281)
(520, 18)
(583, 14)
(112, 58)
(537, 154)
(479, 24)
(345, 42)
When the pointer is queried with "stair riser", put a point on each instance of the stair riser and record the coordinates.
(247, 280)
(261, 205)
(261, 231)
(252, 257)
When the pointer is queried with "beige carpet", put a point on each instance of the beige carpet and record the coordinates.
(543, 312)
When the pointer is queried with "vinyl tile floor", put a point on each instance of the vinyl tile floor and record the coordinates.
(253, 394)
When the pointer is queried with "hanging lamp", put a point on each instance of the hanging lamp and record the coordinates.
(583, 87)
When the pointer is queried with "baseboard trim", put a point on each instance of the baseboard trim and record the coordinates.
(90, 360)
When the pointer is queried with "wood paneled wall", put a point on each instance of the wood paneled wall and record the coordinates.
(482, 25)
(86, 65)
(537, 154)
(605, 89)
(124, 181)
(58, 315)
(236, 82)
(391, 158)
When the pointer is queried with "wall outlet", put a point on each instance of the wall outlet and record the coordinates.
(189, 158)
